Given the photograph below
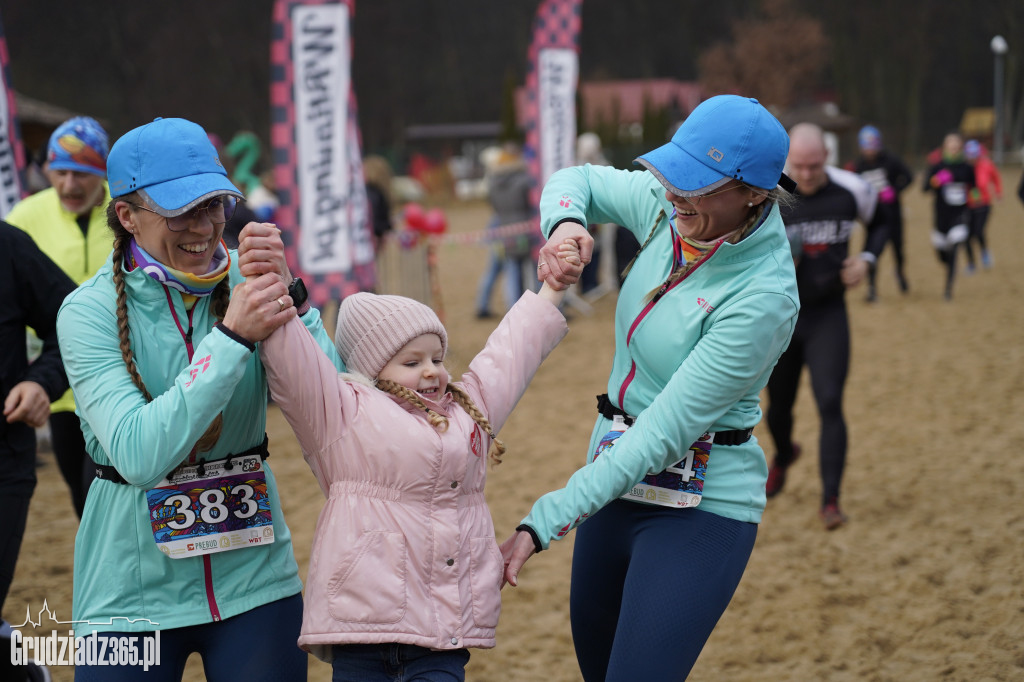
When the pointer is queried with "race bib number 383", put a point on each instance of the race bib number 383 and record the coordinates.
(224, 509)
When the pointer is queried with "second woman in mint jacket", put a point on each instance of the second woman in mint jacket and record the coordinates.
(691, 361)
(669, 516)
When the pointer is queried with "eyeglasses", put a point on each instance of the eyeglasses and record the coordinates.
(696, 199)
(218, 210)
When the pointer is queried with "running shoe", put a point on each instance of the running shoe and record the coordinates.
(777, 473)
(986, 259)
(902, 282)
(831, 515)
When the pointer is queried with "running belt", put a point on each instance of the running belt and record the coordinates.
(108, 473)
(610, 411)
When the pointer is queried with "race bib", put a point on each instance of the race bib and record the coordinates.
(954, 193)
(680, 485)
(220, 510)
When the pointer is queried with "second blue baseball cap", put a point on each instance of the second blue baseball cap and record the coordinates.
(869, 139)
(724, 137)
(172, 162)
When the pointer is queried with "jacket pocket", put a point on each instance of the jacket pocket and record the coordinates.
(368, 585)
(485, 571)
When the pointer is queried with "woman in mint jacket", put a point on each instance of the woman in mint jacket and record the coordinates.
(675, 483)
(182, 532)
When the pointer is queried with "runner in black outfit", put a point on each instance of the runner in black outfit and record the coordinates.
(951, 179)
(32, 288)
(889, 176)
(829, 203)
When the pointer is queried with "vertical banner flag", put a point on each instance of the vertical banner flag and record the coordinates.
(12, 153)
(324, 215)
(551, 79)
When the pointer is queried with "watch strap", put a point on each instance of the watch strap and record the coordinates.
(297, 291)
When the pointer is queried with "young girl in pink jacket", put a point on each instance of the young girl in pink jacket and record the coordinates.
(405, 571)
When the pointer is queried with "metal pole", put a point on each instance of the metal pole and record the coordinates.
(999, 48)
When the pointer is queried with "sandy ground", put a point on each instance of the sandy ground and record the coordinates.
(925, 582)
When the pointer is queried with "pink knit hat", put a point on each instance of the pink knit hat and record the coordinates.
(372, 328)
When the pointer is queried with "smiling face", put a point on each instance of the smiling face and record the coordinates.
(717, 213)
(419, 365)
(190, 250)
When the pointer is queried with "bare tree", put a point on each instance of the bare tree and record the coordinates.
(777, 56)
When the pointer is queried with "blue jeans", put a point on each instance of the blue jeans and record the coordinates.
(398, 663)
(260, 644)
(648, 586)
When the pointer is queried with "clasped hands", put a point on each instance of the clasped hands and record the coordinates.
(261, 303)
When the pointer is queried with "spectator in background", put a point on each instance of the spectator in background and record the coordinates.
(69, 224)
(889, 176)
(952, 179)
(508, 191)
(979, 201)
(31, 290)
(378, 174)
(589, 150)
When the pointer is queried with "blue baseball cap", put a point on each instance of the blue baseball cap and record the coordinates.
(725, 137)
(171, 163)
(869, 139)
(78, 144)
(972, 149)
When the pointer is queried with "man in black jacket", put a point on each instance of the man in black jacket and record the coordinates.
(829, 204)
(32, 288)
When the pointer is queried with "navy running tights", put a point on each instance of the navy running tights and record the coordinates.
(648, 586)
(260, 644)
(821, 341)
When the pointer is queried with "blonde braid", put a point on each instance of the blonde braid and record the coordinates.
(438, 421)
(122, 318)
(497, 449)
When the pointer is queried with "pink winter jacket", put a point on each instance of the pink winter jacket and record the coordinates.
(404, 549)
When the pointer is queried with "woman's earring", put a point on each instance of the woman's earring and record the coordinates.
(750, 203)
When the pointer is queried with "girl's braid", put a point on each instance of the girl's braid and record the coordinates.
(439, 421)
(497, 449)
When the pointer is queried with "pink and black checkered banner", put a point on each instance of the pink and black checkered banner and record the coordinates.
(12, 152)
(324, 215)
(551, 79)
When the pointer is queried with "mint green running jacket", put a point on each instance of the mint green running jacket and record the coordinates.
(692, 361)
(122, 580)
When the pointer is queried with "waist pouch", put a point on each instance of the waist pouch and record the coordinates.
(107, 472)
(610, 411)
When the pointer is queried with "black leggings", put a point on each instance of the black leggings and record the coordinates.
(822, 342)
(979, 218)
(76, 466)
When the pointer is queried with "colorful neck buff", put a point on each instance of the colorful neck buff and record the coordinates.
(184, 282)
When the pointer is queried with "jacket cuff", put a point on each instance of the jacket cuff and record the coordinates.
(232, 335)
(533, 535)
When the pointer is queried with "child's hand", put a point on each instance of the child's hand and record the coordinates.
(568, 254)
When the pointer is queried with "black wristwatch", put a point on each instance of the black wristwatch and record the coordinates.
(297, 290)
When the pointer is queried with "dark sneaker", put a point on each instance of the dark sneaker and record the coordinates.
(831, 515)
(777, 473)
(902, 282)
